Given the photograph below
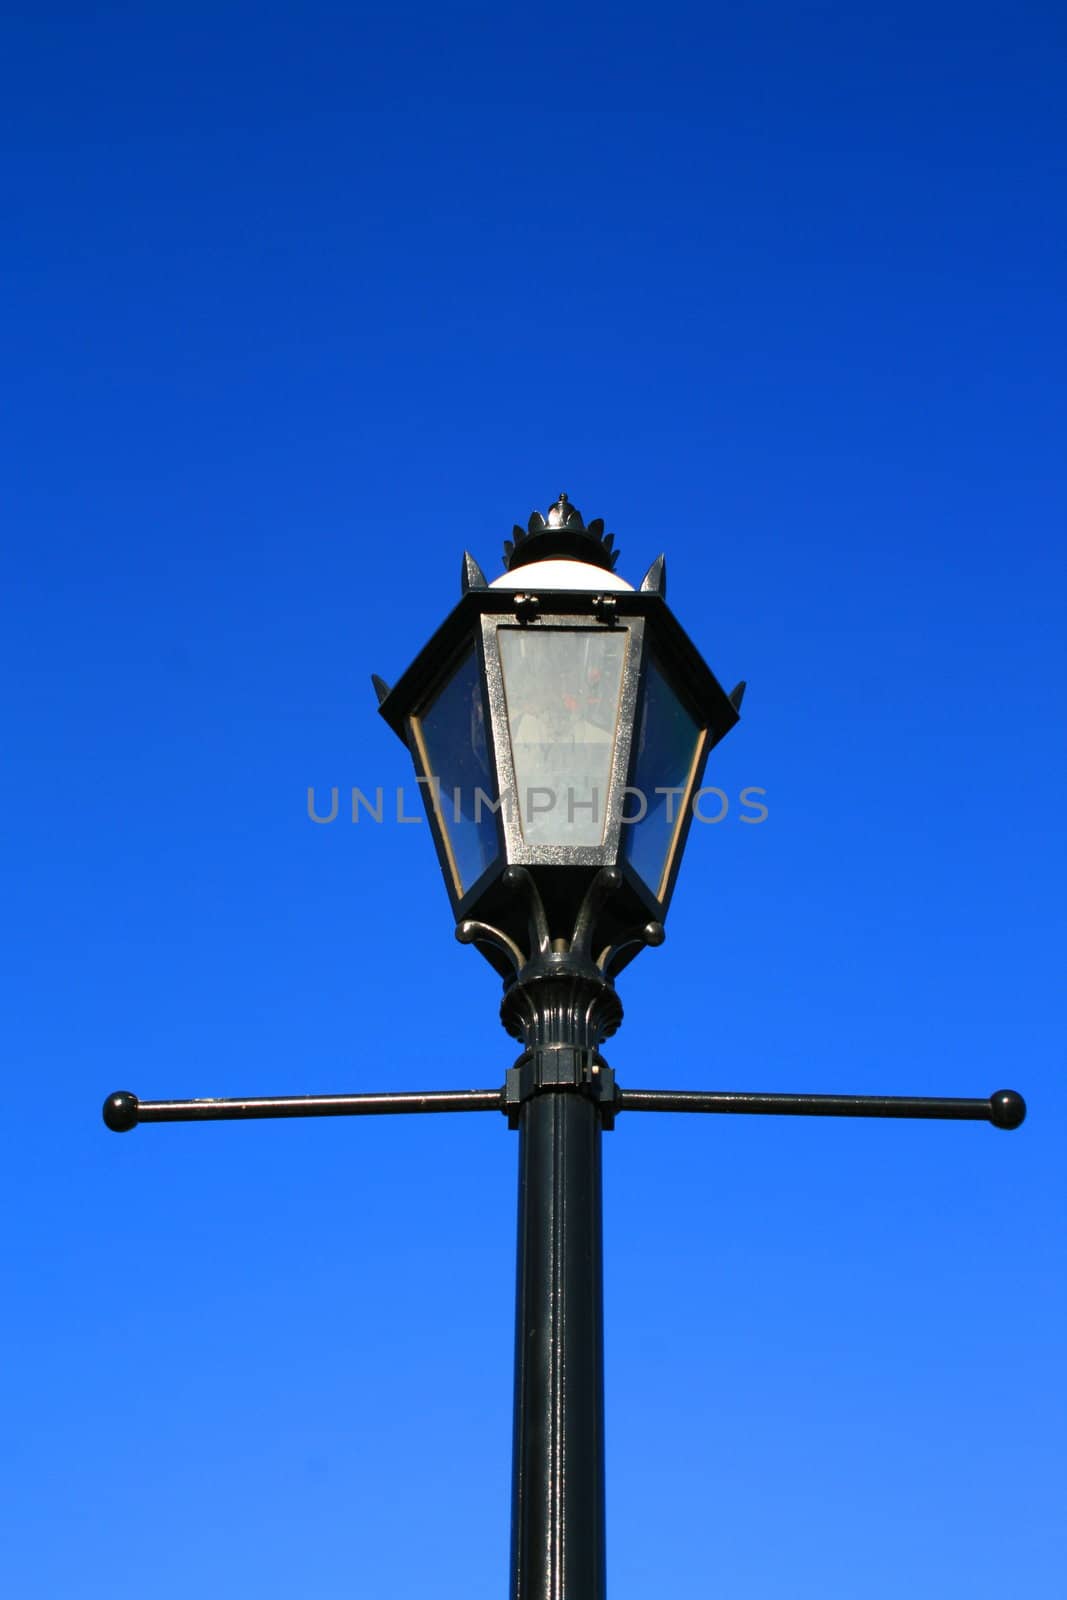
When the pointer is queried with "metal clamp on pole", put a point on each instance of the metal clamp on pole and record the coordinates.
(561, 1067)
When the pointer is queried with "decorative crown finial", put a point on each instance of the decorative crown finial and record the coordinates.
(561, 534)
(560, 513)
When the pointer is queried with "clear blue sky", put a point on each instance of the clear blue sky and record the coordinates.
(300, 301)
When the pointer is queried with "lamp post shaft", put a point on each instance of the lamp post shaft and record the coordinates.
(558, 1540)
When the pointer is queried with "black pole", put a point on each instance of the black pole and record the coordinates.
(558, 1538)
(560, 1094)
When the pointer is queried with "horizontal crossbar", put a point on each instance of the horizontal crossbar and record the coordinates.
(123, 1111)
(1005, 1108)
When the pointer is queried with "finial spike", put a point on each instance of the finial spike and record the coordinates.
(655, 579)
(471, 575)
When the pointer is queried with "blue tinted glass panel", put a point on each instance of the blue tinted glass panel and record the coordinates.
(451, 732)
(667, 744)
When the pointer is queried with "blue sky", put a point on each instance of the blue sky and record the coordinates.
(299, 303)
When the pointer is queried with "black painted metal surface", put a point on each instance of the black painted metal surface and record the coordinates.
(1005, 1108)
(562, 1006)
(558, 1543)
(123, 1111)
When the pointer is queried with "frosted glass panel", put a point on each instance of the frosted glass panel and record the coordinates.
(451, 732)
(666, 748)
(562, 688)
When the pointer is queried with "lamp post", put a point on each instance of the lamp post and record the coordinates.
(559, 722)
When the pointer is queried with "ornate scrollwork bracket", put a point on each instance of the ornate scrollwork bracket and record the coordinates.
(577, 950)
(561, 1002)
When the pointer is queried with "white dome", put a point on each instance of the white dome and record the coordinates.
(557, 573)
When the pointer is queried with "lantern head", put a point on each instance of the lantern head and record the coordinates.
(559, 721)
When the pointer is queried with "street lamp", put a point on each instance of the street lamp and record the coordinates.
(559, 722)
(552, 719)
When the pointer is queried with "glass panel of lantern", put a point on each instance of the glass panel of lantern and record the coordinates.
(562, 687)
(451, 740)
(667, 748)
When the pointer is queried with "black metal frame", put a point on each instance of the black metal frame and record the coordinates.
(669, 640)
(564, 873)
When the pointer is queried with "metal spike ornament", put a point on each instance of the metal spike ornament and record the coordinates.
(562, 535)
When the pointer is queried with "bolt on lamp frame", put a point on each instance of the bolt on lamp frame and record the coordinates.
(559, 920)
